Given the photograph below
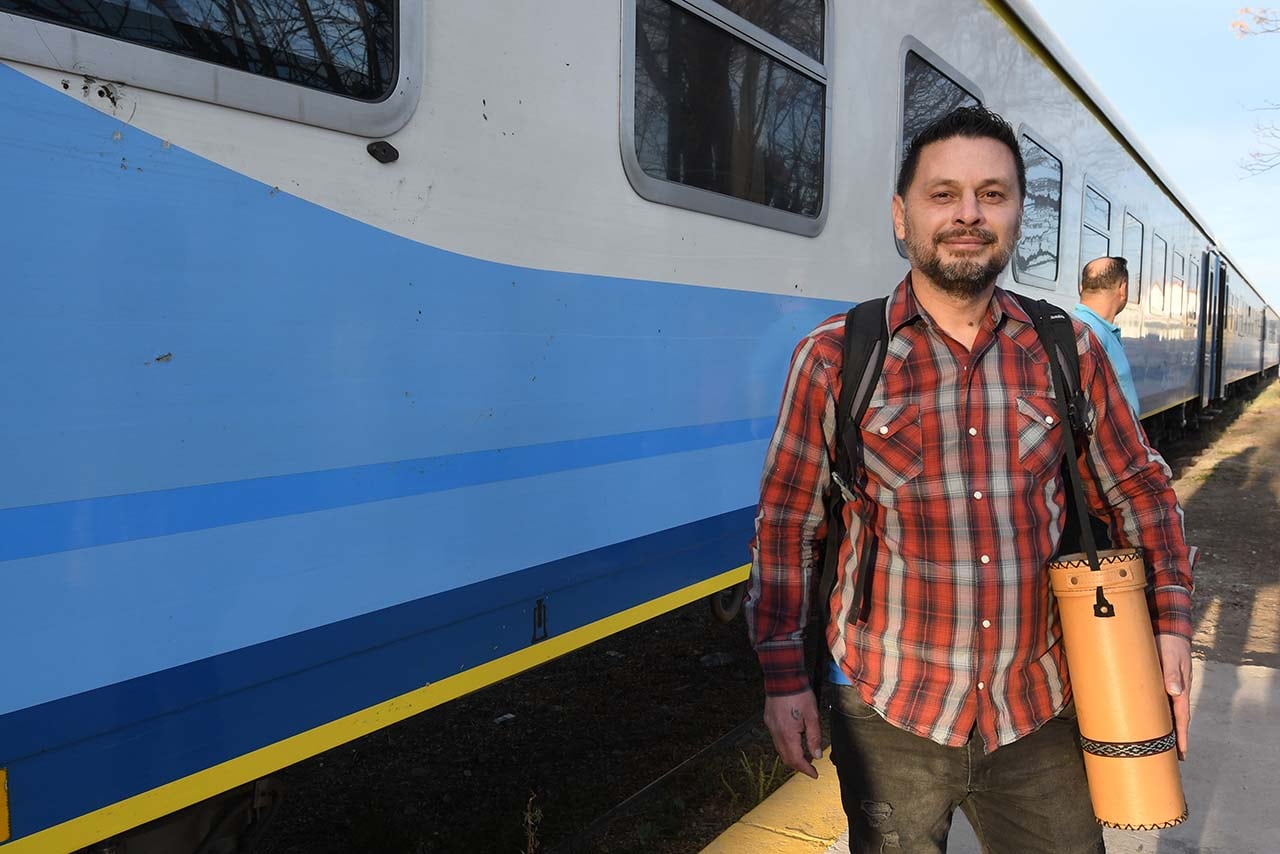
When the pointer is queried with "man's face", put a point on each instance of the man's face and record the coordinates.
(962, 213)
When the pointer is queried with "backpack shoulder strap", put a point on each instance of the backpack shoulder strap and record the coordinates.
(866, 339)
(1058, 337)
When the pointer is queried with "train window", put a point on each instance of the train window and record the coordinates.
(347, 65)
(1177, 285)
(345, 48)
(1037, 252)
(799, 23)
(1097, 210)
(927, 94)
(1131, 249)
(1159, 274)
(1095, 232)
(725, 117)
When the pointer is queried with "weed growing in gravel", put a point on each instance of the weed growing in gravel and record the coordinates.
(754, 779)
(532, 818)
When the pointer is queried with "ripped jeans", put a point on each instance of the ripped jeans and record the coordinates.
(900, 790)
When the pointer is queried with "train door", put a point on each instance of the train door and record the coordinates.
(1262, 342)
(1222, 298)
(1207, 332)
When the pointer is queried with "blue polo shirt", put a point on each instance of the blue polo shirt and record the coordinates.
(1109, 335)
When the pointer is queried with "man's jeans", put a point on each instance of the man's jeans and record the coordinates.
(900, 790)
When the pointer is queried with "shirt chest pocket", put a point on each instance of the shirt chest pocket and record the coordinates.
(891, 443)
(1040, 447)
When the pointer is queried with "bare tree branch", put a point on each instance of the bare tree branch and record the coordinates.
(1256, 22)
(1268, 155)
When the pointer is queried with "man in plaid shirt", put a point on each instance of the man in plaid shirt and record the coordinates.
(951, 685)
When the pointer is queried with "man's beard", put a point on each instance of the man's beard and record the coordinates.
(964, 277)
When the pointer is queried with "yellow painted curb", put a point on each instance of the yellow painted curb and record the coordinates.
(803, 815)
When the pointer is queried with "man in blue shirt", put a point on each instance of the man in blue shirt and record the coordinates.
(1104, 292)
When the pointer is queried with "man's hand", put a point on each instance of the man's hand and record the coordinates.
(793, 722)
(1175, 662)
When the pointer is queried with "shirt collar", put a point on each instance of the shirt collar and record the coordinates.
(1082, 308)
(904, 309)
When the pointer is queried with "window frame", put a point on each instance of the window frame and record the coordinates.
(1032, 279)
(697, 199)
(28, 40)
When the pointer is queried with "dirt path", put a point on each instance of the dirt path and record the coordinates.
(1230, 494)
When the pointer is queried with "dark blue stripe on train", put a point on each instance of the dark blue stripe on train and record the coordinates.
(103, 746)
(68, 525)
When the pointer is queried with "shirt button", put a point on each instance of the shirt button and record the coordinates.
(973, 431)
(986, 624)
(884, 431)
(1048, 419)
(982, 685)
(977, 495)
(985, 559)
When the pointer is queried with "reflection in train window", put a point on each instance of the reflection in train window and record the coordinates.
(716, 112)
(1131, 249)
(1037, 253)
(927, 94)
(1097, 210)
(799, 23)
(1159, 273)
(347, 48)
(1193, 294)
(1095, 232)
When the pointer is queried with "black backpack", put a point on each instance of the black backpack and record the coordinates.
(865, 341)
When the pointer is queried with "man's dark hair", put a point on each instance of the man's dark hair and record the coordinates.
(968, 122)
(1103, 274)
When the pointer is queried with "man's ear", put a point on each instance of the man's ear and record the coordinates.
(899, 217)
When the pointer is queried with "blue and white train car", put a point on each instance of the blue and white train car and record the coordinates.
(361, 353)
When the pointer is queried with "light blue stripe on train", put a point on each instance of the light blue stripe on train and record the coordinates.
(239, 365)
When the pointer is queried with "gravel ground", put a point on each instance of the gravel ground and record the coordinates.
(584, 733)
(533, 763)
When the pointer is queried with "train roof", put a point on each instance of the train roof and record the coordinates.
(1023, 16)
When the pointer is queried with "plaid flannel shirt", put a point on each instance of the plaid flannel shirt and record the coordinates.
(962, 487)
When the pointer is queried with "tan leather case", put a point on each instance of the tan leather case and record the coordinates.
(1125, 723)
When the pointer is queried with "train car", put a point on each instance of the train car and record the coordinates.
(1270, 340)
(1244, 348)
(363, 354)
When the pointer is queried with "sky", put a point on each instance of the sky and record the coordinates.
(1190, 88)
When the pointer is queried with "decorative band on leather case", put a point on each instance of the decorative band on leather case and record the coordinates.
(1104, 559)
(1129, 749)
(1162, 825)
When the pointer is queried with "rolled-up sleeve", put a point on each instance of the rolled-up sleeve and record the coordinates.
(790, 522)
